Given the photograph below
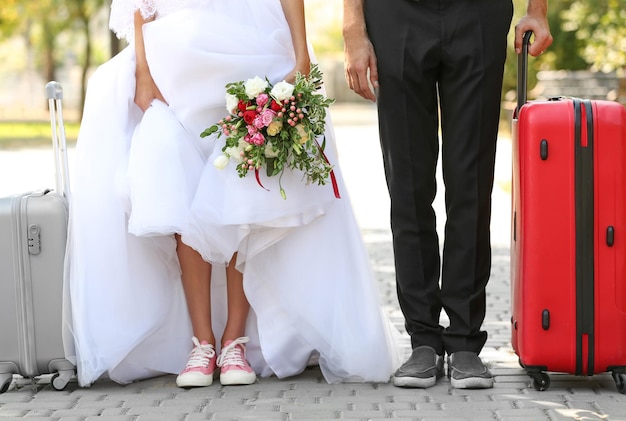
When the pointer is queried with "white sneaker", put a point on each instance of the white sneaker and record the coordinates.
(234, 369)
(200, 367)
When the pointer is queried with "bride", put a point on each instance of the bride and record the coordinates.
(174, 266)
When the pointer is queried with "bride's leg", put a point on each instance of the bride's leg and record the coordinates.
(232, 360)
(196, 277)
(238, 306)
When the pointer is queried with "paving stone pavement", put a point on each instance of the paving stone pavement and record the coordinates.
(308, 396)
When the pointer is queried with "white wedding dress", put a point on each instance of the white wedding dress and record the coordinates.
(139, 178)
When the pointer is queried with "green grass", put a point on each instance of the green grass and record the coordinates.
(30, 134)
(27, 134)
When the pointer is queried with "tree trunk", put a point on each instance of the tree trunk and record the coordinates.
(49, 64)
(115, 44)
(86, 64)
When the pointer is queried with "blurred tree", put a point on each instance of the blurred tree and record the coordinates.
(115, 44)
(324, 20)
(9, 18)
(564, 53)
(599, 26)
(47, 19)
(81, 13)
(47, 25)
(40, 23)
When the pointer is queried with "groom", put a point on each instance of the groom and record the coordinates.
(434, 62)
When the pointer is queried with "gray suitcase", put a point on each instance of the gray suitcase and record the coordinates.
(33, 238)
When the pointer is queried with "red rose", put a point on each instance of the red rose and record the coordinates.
(249, 116)
(242, 106)
(275, 106)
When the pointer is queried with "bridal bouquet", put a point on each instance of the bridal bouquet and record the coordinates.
(273, 127)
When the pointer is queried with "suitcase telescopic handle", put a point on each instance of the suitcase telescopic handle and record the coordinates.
(54, 94)
(522, 71)
(54, 90)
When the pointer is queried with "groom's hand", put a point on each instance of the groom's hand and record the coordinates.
(360, 65)
(536, 20)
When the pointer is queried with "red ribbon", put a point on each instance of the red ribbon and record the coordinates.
(258, 178)
(333, 179)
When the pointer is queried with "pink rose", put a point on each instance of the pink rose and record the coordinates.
(255, 139)
(264, 119)
(258, 139)
(258, 121)
(262, 99)
(268, 116)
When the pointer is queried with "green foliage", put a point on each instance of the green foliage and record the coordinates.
(329, 41)
(9, 17)
(564, 53)
(40, 22)
(19, 134)
(324, 20)
(45, 23)
(600, 28)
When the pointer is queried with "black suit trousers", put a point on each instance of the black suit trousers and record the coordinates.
(440, 65)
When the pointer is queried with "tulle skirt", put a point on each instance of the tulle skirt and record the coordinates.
(140, 177)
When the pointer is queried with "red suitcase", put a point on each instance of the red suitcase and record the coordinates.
(568, 238)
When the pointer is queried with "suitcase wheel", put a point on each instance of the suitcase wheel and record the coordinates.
(5, 380)
(63, 372)
(540, 381)
(60, 380)
(620, 380)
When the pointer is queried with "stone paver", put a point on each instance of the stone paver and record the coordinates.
(307, 396)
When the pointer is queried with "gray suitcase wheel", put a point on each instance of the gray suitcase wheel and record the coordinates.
(63, 372)
(60, 380)
(5, 381)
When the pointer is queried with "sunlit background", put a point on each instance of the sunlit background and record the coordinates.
(66, 39)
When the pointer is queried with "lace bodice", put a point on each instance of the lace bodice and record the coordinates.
(121, 20)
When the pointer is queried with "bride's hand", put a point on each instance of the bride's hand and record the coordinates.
(304, 68)
(146, 91)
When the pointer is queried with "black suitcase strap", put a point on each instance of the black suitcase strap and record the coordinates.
(585, 222)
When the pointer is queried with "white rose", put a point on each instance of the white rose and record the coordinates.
(221, 162)
(269, 151)
(236, 152)
(282, 90)
(255, 86)
(231, 103)
(233, 152)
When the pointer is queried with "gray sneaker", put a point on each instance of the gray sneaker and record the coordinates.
(422, 369)
(467, 371)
